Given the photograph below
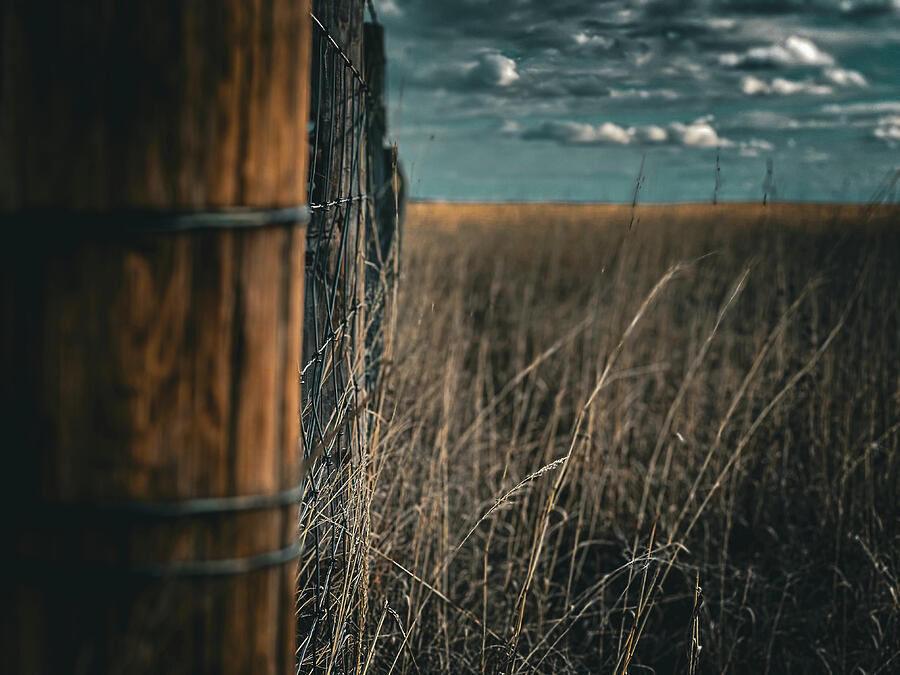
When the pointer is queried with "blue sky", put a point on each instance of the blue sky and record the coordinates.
(564, 99)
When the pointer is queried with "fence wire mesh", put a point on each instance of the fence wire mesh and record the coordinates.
(348, 268)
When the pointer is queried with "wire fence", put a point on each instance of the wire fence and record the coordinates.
(350, 266)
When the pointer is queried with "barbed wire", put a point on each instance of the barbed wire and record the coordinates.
(344, 304)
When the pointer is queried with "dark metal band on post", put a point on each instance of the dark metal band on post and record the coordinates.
(188, 508)
(218, 568)
(222, 567)
(137, 221)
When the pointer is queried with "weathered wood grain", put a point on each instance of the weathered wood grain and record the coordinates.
(151, 367)
(153, 103)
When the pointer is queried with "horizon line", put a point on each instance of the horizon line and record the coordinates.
(728, 202)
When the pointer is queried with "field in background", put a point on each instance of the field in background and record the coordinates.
(619, 439)
(747, 214)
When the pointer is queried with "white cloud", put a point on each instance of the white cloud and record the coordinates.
(795, 51)
(851, 6)
(389, 8)
(789, 87)
(577, 133)
(603, 133)
(805, 52)
(845, 78)
(501, 68)
(759, 144)
(492, 69)
(888, 130)
(754, 147)
(644, 94)
(721, 24)
(488, 69)
(862, 108)
(767, 119)
(699, 134)
(754, 86)
(771, 120)
(891, 133)
(582, 39)
(649, 134)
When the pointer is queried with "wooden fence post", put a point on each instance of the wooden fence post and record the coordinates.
(378, 239)
(150, 385)
(386, 200)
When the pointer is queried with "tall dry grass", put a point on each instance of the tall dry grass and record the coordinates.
(666, 449)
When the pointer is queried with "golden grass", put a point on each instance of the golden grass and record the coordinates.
(451, 215)
(612, 443)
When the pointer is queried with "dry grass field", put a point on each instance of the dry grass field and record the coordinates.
(654, 440)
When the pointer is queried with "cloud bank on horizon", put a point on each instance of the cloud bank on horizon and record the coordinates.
(566, 99)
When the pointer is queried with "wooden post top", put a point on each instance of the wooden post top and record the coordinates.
(153, 104)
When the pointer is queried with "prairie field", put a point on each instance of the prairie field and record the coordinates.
(652, 439)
